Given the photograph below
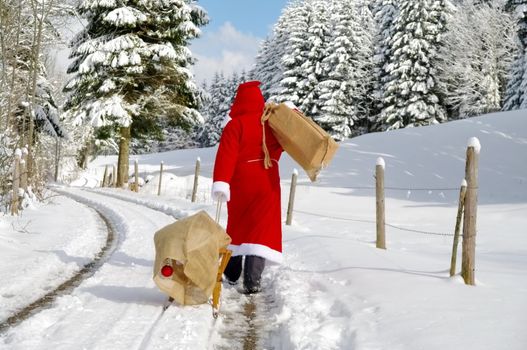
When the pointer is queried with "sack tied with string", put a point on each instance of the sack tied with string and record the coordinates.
(306, 142)
(189, 246)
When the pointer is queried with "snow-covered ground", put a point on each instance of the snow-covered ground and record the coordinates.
(335, 290)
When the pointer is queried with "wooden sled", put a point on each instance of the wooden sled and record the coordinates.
(225, 255)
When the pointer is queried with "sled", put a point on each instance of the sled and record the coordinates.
(225, 255)
(191, 256)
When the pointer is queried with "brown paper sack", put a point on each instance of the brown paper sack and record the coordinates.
(191, 246)
(306, 142)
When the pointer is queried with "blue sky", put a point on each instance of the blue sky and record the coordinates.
(254, 17)
(231, 40)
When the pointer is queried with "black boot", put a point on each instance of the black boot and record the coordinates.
(234, 269)
(252, 273)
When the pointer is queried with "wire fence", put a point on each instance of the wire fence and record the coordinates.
(374, 222)
(401, 188)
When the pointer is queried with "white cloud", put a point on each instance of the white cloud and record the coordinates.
(226, 50)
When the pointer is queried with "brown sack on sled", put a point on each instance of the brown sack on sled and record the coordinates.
(191, 246)
(306, 142)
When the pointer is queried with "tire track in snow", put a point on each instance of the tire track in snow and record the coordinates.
(68, 286)
(242, 323)
(119, 226)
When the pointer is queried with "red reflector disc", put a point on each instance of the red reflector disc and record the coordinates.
(167, 271)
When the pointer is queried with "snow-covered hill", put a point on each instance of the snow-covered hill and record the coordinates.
(335, 290)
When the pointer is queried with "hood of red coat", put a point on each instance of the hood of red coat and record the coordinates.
(248, 100)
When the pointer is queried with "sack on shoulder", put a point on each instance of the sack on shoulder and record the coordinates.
(306, 142)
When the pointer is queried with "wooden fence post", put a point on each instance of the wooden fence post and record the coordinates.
(461, 204)
(136, 176)
(291, 198)
(16, 182)
(379, 195)
(114, 176)
(469, 219)
(105, 176)
(160, 179)
(196, 177)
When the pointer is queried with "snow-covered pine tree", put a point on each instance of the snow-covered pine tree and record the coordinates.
(317, 41)
(475, 58)
(366, 82)
(515, 96)
(131, 63)
(269, 68)
(217, 110)
(339, 92)
(385, 14)
(233, 83)
(411, 95)
(244, 77)
(267, 65)
(46, 110)
(296, 53)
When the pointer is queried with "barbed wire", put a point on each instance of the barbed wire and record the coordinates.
(374, 222)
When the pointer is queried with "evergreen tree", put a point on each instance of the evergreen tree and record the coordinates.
(338, 92)
(515, 97)
(131, 66)
(316, 51)
(269, 68)
(412, 96)
(294, 76)
(366, 81)
(232, 84)
(217, 110)
(385, 14)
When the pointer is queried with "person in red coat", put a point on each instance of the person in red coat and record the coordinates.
(252, 192)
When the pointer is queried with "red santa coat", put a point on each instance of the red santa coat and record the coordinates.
(254, 213)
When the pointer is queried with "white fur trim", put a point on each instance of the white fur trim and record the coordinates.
(221, 191)
(271, 255)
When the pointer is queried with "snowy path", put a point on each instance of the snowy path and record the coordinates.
(114, 308)
(119, 307)
(23, 310)
(43, 248)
